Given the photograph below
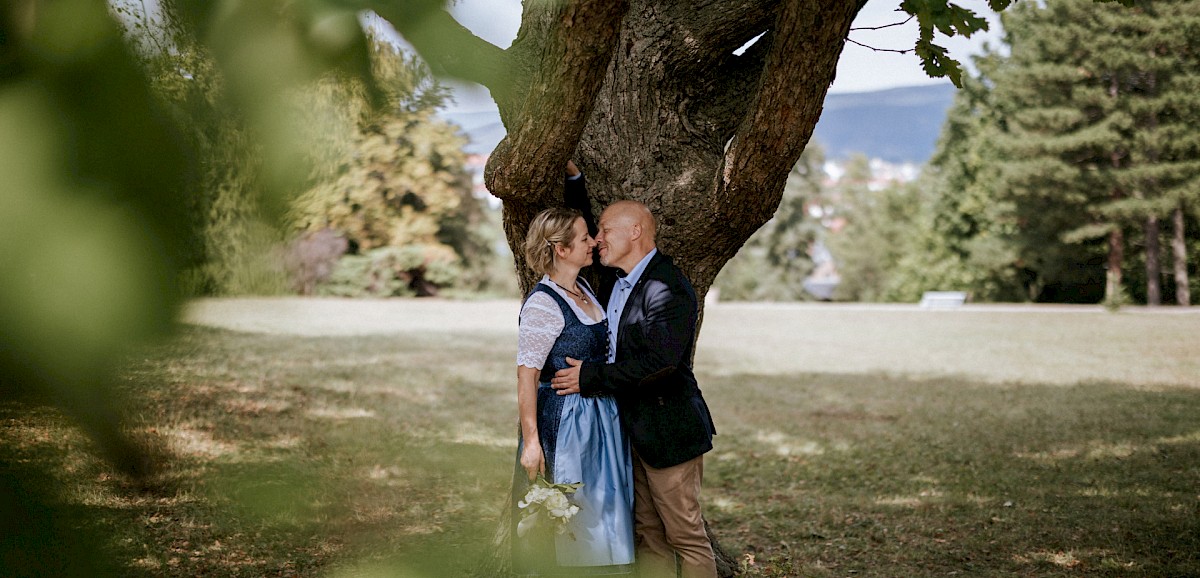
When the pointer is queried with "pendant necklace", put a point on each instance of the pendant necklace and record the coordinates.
(578, 294)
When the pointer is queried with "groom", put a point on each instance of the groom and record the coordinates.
(652, 311)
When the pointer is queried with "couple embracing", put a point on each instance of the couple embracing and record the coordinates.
(607, 398)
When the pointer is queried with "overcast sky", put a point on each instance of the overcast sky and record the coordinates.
(859, 70)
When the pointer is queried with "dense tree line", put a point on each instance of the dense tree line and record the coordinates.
(1063, 159)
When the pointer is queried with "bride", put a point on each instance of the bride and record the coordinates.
(568, 439)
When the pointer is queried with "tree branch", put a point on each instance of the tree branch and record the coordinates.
(869, 47)
(894, 24)
(528, 164)
(788, 103)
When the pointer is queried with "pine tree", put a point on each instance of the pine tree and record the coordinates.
(1086, 128)
(1171, 50)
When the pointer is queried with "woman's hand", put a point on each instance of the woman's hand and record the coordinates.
(532, 459)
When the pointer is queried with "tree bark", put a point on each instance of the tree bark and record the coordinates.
(1179, 254)
(703, 137)
(1116, 257)
(1153, 264)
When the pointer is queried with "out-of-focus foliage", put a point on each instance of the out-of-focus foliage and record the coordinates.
(776, 259)
(312, 257)
(408, 271)
(384, 172)
(877, 233)
(93, 224)
(397, 189)
(237, 249)
(95, 205)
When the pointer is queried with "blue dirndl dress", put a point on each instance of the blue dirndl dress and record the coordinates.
(582, 441)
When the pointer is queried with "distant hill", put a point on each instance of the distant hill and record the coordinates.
(898, 125)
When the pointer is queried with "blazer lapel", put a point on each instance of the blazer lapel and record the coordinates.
(635, 296)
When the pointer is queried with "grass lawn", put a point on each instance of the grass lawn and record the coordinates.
(853, 442)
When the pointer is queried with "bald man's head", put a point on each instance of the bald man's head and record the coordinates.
(627, 231)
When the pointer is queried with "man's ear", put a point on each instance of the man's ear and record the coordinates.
(635, 232)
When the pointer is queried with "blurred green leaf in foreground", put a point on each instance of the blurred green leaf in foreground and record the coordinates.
(94, 226)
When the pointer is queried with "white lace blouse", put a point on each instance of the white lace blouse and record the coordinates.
(542, 321)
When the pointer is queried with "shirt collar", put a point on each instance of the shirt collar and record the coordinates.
(636, 273)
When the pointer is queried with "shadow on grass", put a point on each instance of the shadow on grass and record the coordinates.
(390, 456)
(883, 475)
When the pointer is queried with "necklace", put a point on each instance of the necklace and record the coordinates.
(578, 294)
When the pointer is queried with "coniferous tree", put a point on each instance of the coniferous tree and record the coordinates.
(1085, 131)
(963, 233)
(1116, 119)
(1169, 111)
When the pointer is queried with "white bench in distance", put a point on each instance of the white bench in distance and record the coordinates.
(943, 299)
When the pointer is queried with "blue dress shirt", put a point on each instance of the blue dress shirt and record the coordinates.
(616, 301)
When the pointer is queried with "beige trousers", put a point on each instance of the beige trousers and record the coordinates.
(667, 522)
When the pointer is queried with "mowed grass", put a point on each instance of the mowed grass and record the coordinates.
(390, 455)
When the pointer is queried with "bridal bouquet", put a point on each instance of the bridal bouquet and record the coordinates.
(549, 501)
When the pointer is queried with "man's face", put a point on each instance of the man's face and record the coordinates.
(614, 239)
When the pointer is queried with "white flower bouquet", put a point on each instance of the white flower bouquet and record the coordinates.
(547, 501)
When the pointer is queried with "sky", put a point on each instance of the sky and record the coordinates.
(859, 70)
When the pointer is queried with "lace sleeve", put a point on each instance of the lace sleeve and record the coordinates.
(541, 323)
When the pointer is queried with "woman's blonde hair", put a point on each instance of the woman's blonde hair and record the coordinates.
(554, 226)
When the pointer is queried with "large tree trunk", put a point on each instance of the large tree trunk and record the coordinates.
(1153, 264)
(649, 99)
(704, 137)
(1179, 254)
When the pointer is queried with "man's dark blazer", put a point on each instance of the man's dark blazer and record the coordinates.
(661, 406)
